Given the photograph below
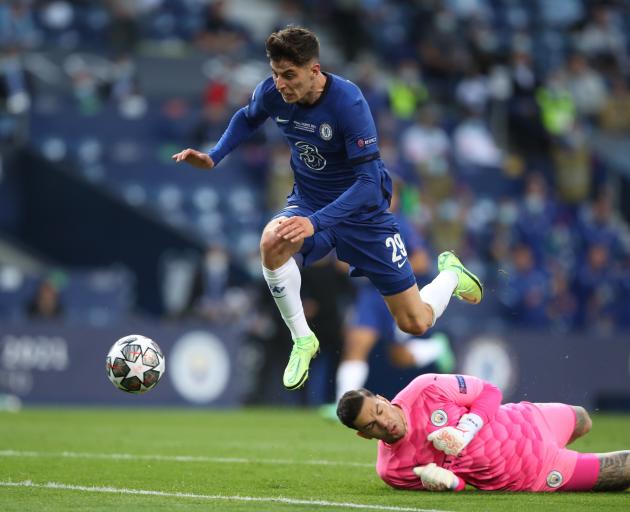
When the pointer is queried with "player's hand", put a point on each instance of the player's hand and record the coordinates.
(449, 440)
(452, 440)
(435, 478)
(195, 158)
(295, 229)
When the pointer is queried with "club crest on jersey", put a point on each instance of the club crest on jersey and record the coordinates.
(554, 479)
(310, 156)
(439, 418)
(325, 131)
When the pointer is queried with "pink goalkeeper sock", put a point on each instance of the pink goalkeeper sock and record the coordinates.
(585, 475)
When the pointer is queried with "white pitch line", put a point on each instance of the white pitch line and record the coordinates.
(211, 497)
(179, 458)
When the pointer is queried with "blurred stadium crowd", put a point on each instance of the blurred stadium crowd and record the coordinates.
(506, 121)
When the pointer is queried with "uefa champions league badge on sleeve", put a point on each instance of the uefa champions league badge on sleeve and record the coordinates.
(439, 418)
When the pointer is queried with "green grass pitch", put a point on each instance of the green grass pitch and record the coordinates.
(251, 460)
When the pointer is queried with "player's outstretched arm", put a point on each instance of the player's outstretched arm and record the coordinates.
(195, 158)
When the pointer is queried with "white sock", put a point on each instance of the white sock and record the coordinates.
(284, 284)
(424, 351)
(351, 375)
(439, 291)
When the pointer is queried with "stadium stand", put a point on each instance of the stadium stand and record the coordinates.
(504, 118)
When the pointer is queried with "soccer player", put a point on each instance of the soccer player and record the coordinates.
(442, 432)
(340, 198)
(372, 322)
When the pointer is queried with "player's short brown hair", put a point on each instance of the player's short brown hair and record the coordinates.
(294, 44)
(350, 404)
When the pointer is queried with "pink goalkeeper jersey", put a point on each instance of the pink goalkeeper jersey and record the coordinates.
(516, 450)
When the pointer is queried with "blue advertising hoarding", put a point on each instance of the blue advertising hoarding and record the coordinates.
(64, 364)
(57, 364)
(585, 369)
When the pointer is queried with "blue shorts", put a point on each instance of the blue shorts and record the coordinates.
(372, 312)
(373, 248)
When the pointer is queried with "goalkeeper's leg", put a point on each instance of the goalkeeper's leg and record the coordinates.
(614, 471)
(575, 471)
(566, 422)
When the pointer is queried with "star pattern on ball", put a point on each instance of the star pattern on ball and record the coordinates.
(137, 369)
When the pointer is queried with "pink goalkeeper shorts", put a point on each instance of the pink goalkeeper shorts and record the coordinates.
(570, 470)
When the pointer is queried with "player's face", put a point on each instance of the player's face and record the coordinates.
(295, 83)
(379, 419)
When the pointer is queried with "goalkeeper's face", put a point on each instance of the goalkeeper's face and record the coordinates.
(379, 419)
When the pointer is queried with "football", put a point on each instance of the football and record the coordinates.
(135, 364)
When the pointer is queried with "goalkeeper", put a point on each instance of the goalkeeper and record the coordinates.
(442, 432)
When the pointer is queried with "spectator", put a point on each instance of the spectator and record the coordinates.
(372, 80)
(407, 90)
(17, 34)
(586, 86)
(426, 147)
(46, 303)
(527, 291)
(526, 132)
(563, 305)
(221, 35)
(124, 29)
(595, 288)
(537, 213)
(603, 36)
(474, 144)
(557, 108)
(215, 112)
(473, 92)
(598, 224)
(219, 289)
(614, 115)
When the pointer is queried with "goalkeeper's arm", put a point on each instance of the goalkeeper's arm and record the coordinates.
(452, 440)
(436, 478)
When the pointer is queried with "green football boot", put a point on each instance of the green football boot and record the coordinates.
(469, 287)
(296, 372)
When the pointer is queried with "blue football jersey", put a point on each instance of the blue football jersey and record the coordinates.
(329, 141)
(341, 184)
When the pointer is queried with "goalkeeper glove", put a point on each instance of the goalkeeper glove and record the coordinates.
(435, 478)
(452, 440)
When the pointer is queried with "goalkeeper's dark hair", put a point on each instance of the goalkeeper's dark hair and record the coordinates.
(294, 44)
(350, 404)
